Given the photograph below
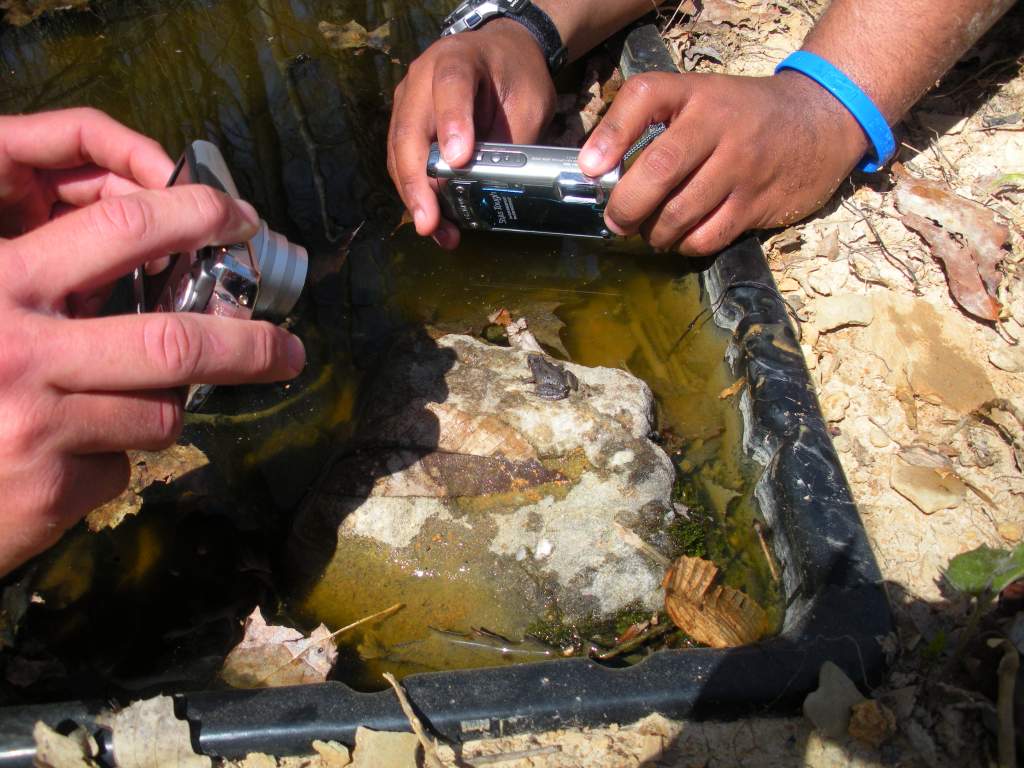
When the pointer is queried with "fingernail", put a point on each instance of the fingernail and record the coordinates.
(248, 212)
(453, 146)
(419, 219)
(614, 227)
(296, 353)
(590, 157)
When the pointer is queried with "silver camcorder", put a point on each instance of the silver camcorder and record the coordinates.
(260, 278)
(529, 189)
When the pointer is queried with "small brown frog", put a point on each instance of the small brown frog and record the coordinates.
(552, 380)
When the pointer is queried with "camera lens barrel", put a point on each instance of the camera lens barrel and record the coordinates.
(283, 267)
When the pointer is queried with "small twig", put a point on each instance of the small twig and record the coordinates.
(889, 255)
(379, 615)
(504, 757)
(759, 530)
(633, 539)
(637, 641)
(1007, 670)
(430, 758)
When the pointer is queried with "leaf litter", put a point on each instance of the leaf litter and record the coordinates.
(961, 233)
(354, 36)
(713, 614)
(270, 655)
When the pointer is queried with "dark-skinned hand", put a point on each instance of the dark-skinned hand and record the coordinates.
(488, 85)
(739, 153)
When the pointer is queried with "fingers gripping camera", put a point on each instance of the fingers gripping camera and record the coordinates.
(260, 278)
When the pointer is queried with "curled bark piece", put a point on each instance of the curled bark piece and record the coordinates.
(715, 615)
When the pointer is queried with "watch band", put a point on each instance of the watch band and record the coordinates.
(473, 14)
(544, 31)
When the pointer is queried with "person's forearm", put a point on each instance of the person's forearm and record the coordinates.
(586, 24)
(895, 50)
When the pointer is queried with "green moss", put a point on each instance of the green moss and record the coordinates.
(632, 614)
(690, 535)
(554, 630)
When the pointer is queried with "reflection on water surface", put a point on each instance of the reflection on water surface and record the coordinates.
(156, 603)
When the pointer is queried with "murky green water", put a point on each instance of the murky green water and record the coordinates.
(156, 603)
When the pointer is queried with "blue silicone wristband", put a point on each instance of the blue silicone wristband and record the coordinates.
(853, 98)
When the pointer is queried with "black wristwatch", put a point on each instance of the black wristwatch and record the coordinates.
(473, 14)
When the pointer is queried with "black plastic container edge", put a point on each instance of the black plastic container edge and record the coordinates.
(836, 607)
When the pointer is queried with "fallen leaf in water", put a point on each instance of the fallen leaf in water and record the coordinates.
(271, 655)
(149, 469)
(732, 389)
(520, 337)
(500, 317)
(719, 616)
(18, 13)
(148, 734)
(354, 35)
(54, 750)
(14, 602)
(963, 234)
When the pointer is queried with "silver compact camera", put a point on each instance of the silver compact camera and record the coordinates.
(529, 189)
(260, 278)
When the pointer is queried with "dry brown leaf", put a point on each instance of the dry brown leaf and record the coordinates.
(500, 317)
(872, 723)
(271, 655)
(963, 234)
(735, 14)
(732, 389)
(354, 35)
(149, 735)
(54, 750)
(961, 270)
(716, 615)
(480, 435)
(398, 473)
(520, 337)
(148, 468)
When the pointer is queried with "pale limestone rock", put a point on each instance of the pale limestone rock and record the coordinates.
(834, 406)
(829, 706)
(833, 312)
(461, 473)
(1007, 359)
(927, 488)
(384, 749)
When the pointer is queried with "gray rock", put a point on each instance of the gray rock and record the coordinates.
(460, 473)
(829, 706)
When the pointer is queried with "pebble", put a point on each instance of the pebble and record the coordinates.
(544, 548)
(820, 282)
(834, 406)
(878, 438)
(1011, 532)
(788, 285)
(1007, 359)
(846, 309)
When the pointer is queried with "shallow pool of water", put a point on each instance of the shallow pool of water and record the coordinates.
(156, 603)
